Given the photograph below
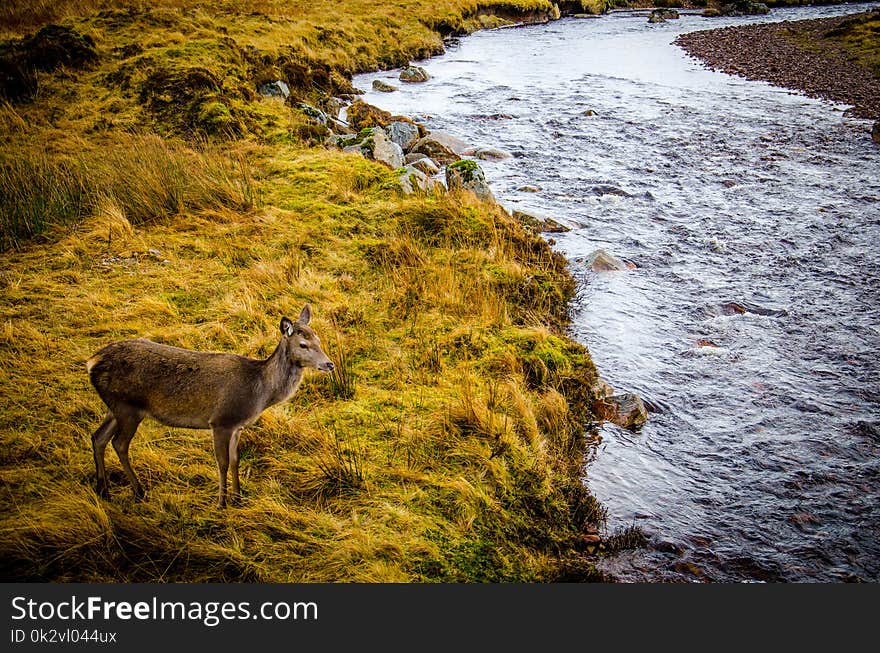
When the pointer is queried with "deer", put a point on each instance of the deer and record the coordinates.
(182, 388)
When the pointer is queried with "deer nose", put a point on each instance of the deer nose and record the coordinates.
(329, 366)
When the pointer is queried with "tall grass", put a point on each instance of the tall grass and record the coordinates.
(146, 179)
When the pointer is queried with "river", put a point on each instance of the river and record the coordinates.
(751, 324)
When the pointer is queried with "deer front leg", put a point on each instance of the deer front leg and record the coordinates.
(235, 493)
(222, 439)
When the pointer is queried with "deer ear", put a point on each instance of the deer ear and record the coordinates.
(306, 315)
(286, 326)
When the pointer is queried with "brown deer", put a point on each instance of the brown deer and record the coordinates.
(195, 390)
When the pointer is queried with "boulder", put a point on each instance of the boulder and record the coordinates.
(602, 261)
(384, 87)
(411, 179)
(656, 17)
(403, 133)
(374, 144)
(412, 157)
(361, 115)
(467, 175)
(744, 8)
(875, 132)
(414, 74)
(314, 113)
(529, 188)
(426, 165)
(538, 224)
(276, 88)
(431, 147)
(627, 410)
(451, 142)
(487, 153)
(384, 149)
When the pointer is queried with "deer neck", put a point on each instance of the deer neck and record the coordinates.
(282, 377)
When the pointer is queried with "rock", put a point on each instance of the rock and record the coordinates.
(711, 12)
(602, 261)
(604, 189)
(487, 153)
(384, 87)
(529, 189)
(403, 133)
(414, 74)
(384, 149)
(539, 224)
(412, 157)
(426, 165)
(589, 113)
(744, 8)
(431, 147)
(361, 115)
(278, 88)
(412, 179)
(454, 143)
(662, 15)
(875, 132)
(313, 112)
(374, 144)
(626, 410)
(467, 175)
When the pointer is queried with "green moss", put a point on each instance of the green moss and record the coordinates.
(466, 168)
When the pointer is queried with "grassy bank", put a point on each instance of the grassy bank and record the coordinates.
(148, 190)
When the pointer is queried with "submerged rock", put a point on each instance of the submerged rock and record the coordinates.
(538, 224)
(875, 132)
(487, 153)
(627, 410)
(467, 175)
(384, 87)
(414, 74)
(602, 261)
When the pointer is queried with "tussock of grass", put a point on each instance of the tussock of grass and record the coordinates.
(155, 194)
(141, 180)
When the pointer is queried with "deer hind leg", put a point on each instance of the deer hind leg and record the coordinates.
(235, 490)
(222, 441)
(100, 438)
(128, 421)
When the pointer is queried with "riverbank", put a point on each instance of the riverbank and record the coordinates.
(153, 187)
(832, 58)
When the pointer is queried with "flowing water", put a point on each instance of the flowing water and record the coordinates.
(753, 216)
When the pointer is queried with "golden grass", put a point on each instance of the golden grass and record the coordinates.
(450, 449)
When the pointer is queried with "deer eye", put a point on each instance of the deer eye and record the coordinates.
(303, 345)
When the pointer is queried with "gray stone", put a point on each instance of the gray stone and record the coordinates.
(467, 175)
(403, 133)
(414, 74)
(384, 87)
(412, 157)
(538, 224)
(426, 165)
(384, 149)
(412, 179)
(487, 153)
(275, 89)
(431, 147)
(602, 261)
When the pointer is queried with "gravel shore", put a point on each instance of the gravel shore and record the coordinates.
(800, 55)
